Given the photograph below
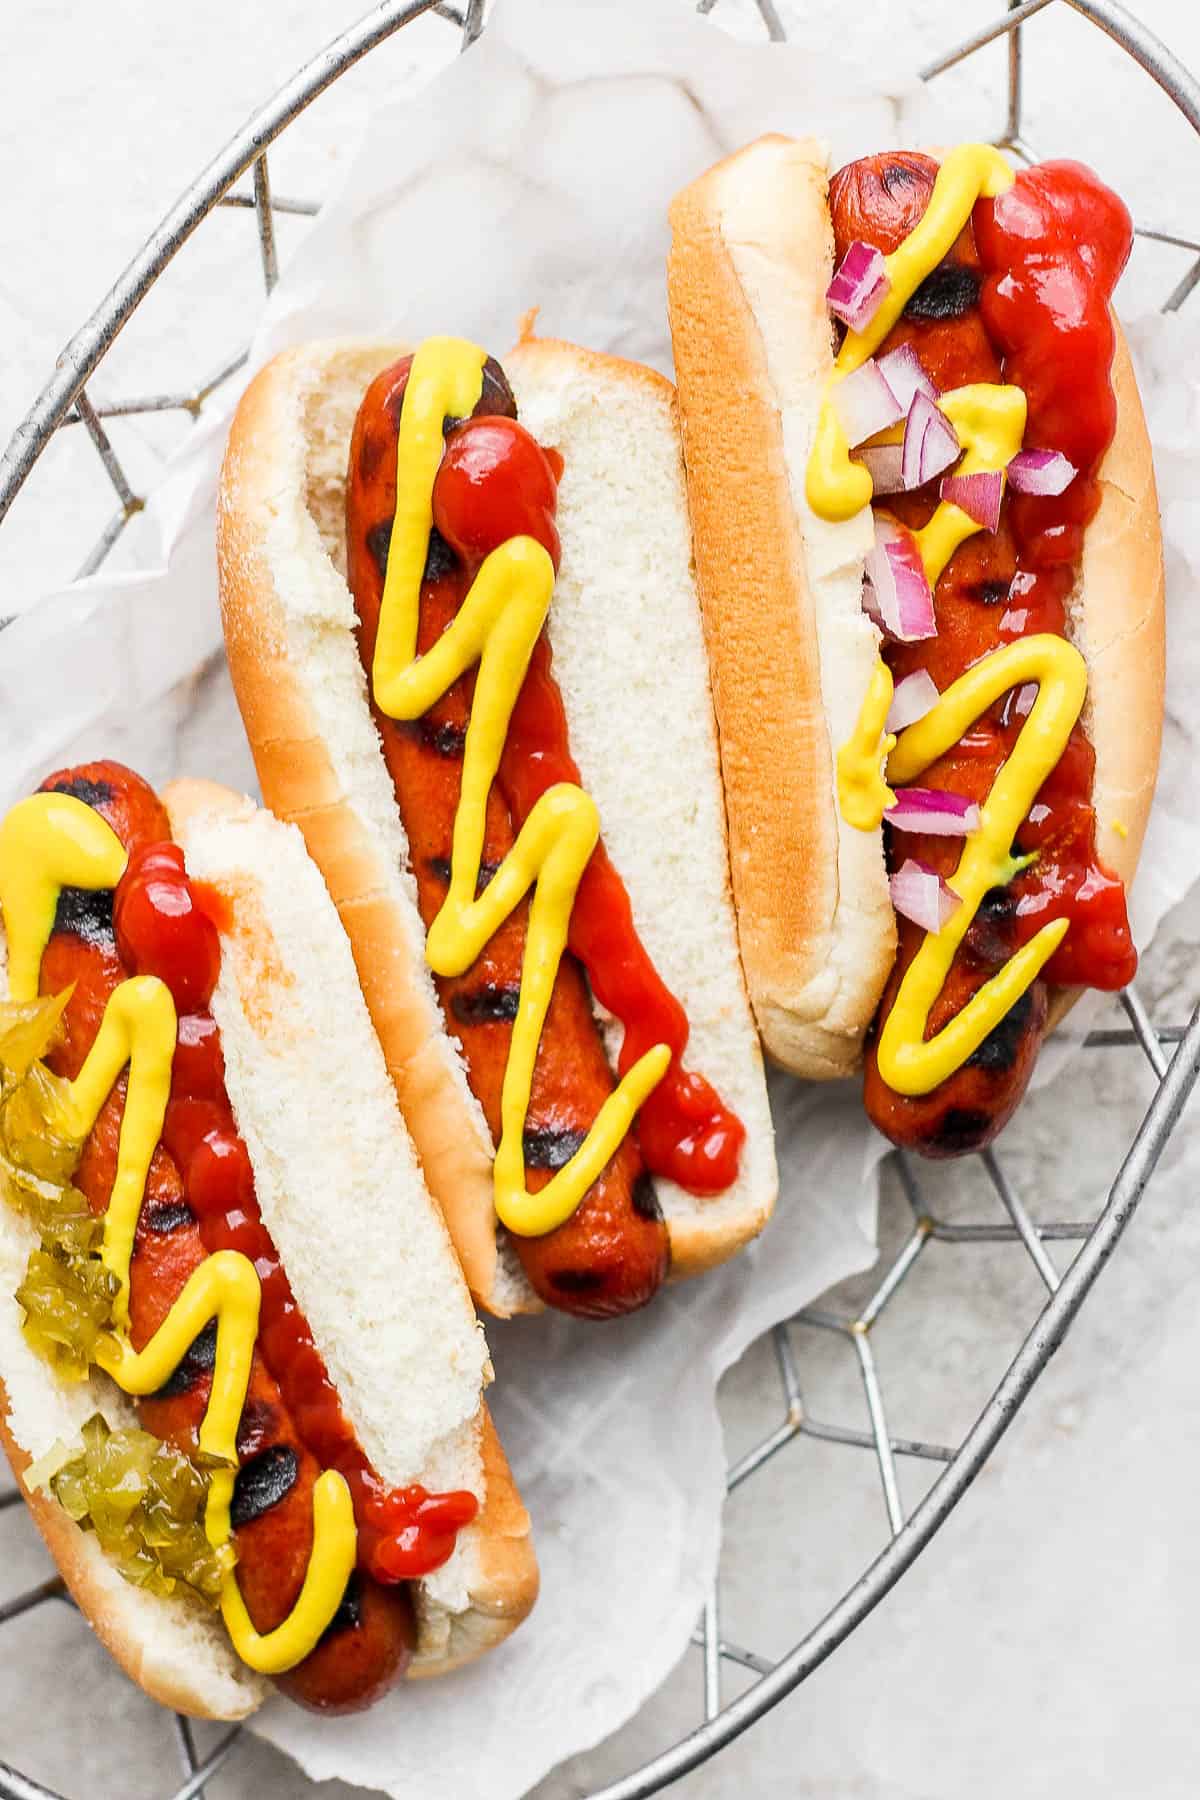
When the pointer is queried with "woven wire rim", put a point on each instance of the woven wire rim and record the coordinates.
(65, 402)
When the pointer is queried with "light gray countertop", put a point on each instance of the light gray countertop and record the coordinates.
(1044, 1644)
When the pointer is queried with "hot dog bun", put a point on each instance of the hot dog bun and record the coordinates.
(790, 648)
(630, 659)
(365, 1251)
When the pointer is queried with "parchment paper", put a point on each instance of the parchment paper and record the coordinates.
(537, 170)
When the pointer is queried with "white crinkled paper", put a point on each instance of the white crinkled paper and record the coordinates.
(537, 171)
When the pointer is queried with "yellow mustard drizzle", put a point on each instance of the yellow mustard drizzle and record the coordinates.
(984, 415)
(48, 842)
(863, 794)
(138, 1029)
(908, 1063)
(497, 626)
(44, 841)
(335, 1541)
(990, 422)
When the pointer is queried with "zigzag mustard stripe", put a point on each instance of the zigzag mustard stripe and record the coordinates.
(496, 627)
(908, 1062)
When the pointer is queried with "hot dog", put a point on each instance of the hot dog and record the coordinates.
(970, 734)
(611, 1256)
(525, 802)
(180, 1244)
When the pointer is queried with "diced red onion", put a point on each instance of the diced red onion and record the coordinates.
(865, 404)
(934, 811)
(1041, 472)
(900, 600)
(978, 495)
(930, 442)
(916, 695)
(870, 603)
(882, 463)
(859, 286)
(919, 893)
(904, 373)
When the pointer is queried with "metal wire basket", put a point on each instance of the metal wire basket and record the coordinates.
(1172, 1052)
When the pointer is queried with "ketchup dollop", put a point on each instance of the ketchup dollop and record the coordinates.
(495, 482)
(164, 925)
(163, 928)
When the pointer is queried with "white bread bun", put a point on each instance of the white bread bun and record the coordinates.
(629, 656)
(790, 648)
(367, 1255)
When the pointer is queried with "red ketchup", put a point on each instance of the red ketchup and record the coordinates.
(1049, 250)
(1052, 249)
(164, 924)
(496, 482)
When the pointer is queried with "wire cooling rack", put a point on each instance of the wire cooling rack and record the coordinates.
(1172, 1052)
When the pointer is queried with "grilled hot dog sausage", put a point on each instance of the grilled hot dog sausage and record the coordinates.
(370, 1641)
(880, 199)
(611, 1255)
(1022, 298)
